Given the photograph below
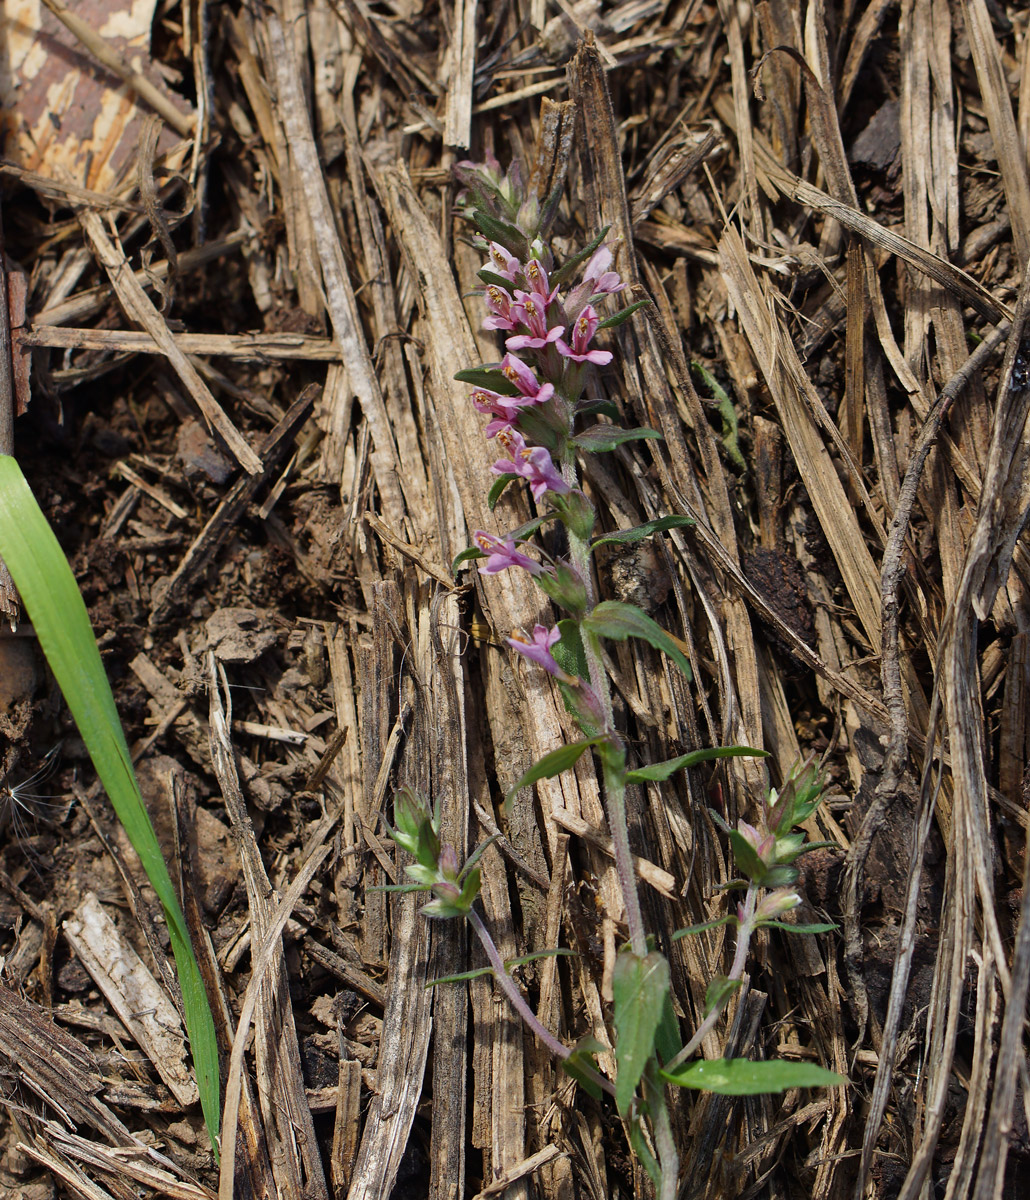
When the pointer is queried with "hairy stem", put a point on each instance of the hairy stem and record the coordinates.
(664, 1142)
(744, 931)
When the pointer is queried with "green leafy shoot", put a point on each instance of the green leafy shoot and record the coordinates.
(727, 414)
(58, 614)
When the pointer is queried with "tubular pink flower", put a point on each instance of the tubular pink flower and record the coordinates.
(505, 408)
(601, 280)
(524, 378)
(536, 277)
(583, 329)
(530, 309)
(539, 650)
(501, 554)
(532, 463)
(499, 303)
(502, 263)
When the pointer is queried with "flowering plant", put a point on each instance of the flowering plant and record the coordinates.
(544, 423)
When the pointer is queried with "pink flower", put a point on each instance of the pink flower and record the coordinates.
(602, 281)
(502, 263)
(532, 463)
(530, 309)
(523, 377)
(505, 408)
(499, 303)
(536, 276)
(501, 554)
(583, 329)
(539, 649)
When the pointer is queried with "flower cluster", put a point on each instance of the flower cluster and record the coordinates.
(532, 397)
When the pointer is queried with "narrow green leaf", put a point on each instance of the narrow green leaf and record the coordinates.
(597, 439)
(52, 600)
(618, 621)
(718, 993)
(704, 927)
(491, 378)
(569, 653)
(466, 556)
(461, 978)
(639, 988)
(508, 236)
(659, 772)
(621, 316)
(639, 532)
(604, 408)
(788, 927)
(568, 268)
(489, 277)
(741, 1077)
(552, 764)
(526, 531)
(746, 858)
(667, 1039)
(580, 1065)
(643, 1151)
(499, 484)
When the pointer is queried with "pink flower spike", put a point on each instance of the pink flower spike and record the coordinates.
(530, 309)
(539, 649)
(583, 329)
(524, 378)
(501, 554)
(502, 263)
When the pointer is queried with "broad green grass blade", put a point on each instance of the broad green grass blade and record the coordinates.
(58, 614)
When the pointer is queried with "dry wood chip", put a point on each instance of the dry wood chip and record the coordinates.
(134, 994)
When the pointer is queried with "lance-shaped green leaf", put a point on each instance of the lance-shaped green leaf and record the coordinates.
(639, 988)
(508, 236)
(597, 439)
(553, 763)
(659, 772)
(789, 927)
(582, 1066)
(622, 315)
(569, 267)
(618, 621)
(705, 926)
(58, 614)
(491, 378)
(491, 277)
(741, 1077)
(639, 532)
(499, 484)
